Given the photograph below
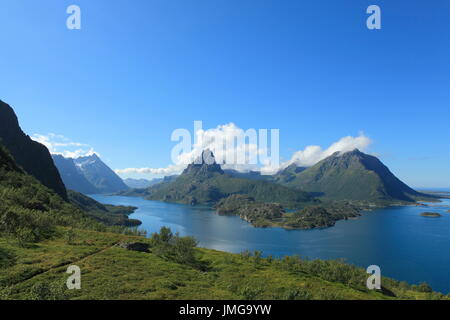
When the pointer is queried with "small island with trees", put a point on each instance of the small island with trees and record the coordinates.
(430, 214)
(261, 214)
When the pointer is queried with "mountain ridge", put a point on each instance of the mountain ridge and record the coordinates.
(88, 175)
(31, 155)
(351, 175)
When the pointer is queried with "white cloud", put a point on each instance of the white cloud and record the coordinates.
(213, 139)
(59, 144)
(313, 154)
(227, 142)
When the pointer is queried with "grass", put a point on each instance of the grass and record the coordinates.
(111, 272)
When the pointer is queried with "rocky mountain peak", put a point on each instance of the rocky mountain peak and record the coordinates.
(205, 164)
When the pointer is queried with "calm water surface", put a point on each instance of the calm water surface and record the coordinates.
(405, 245)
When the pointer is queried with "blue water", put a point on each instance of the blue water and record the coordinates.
(404, 244)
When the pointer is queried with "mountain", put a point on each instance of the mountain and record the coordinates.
(72, 176)
(350, 176)
(40, 235)
(205, 182)
(32, 156)
(88, 175)
(99, 174)
(288, 174)
(141, 183)
(29, 211)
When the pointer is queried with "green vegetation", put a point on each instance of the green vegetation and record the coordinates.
(191, 189)
(30, 212)
(44, 229)
(205, 183)
(351, 176)
(261, 214)
(430, 214)
(41, 235)
(176, 249)
(321, 216)
(175, 269)
(105, 213)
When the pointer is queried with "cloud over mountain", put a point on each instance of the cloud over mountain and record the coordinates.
(232, 146)
(313, 154)
(59, 144)
(228, 141)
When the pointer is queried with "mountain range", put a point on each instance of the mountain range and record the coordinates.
(204, 182)
(32, 193)
(349, 176)
(342, 176)
(88, 175)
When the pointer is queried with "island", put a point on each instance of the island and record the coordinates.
(430, 214)
(262, 214)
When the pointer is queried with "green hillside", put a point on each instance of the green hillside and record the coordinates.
(30, 212)
(206, 184)
(352, 176)
(174, 269)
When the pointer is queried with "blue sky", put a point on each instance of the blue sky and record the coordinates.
(137, 70)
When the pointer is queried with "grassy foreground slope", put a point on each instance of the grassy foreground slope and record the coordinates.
(109, 271)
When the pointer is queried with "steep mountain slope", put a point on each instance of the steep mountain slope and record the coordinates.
(205, 182)
(98, 174)
(28, 209)
(353, 176)
(32, 156)
(288, 174)
(72, 177)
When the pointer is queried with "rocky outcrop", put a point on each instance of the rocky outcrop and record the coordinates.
(135, 246)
